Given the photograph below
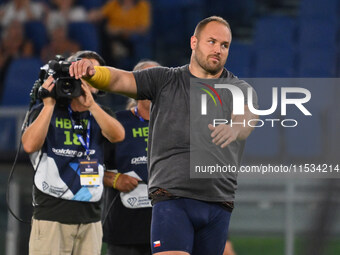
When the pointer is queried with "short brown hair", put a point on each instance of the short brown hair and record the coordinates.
(87, 54)
(205, 21)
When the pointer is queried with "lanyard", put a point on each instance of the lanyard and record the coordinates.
(80, 137)
(140, 117)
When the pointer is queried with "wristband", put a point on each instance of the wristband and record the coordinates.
(115, 180)
(101, 79)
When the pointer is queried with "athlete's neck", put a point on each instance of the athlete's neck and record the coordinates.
(197, 71)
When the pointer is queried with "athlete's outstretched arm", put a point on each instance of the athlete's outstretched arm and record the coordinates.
(105, 78)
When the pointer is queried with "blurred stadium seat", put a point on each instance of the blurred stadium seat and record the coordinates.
(235, 12)
(239, 59)
(19, 81)
(265, 142)
(323, 93)
(194, 13)
(317, 33)
(158, 4)
(314, 9)
(169, 33)
(309, 138)
(91, 4)
(142, 48)
(306, 139)
(168, 30)
(276, 31)
(274, 62)
(317, 62)
(85, 34)
(36, 32)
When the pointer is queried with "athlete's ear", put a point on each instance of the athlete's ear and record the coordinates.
(193, 42)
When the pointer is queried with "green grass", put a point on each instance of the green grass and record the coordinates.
(104, 248)
(275, 246)
(258, 245)
(333, 247)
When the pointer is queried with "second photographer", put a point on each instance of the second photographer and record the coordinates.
(65, 141)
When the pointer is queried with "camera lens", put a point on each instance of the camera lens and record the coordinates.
(67, 87)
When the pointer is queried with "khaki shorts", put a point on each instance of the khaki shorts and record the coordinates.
(54, 238)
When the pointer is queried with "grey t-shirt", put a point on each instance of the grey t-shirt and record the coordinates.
(169, 135)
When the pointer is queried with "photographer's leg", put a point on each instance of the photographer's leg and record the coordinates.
(88, 240)
(52, 238)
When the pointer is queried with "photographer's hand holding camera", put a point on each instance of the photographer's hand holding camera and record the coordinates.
(65, 141)
(34, 136)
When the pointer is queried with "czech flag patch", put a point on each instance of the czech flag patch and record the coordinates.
(156, 244)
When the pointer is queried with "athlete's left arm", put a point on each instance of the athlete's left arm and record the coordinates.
(238, 129)
(110, 127)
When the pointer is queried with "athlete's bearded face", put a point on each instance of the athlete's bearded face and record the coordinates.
(211, 48)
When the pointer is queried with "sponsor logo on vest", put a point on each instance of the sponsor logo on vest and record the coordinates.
(56, 190)
(132, 201)
(70, 153)
(45, 186)
(139, 160)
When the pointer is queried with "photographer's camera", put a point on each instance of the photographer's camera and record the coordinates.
(66, 87)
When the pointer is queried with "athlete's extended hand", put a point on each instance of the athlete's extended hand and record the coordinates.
(82, 68)
(223, 134)
(126, 183)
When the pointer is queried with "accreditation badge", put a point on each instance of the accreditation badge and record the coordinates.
(89, 174)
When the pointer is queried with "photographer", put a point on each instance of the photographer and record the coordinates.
(65, 141)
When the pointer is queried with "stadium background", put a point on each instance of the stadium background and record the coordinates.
(281, 38)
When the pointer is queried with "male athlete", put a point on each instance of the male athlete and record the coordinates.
(190, 216)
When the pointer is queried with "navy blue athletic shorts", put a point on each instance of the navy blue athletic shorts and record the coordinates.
(189, 225)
